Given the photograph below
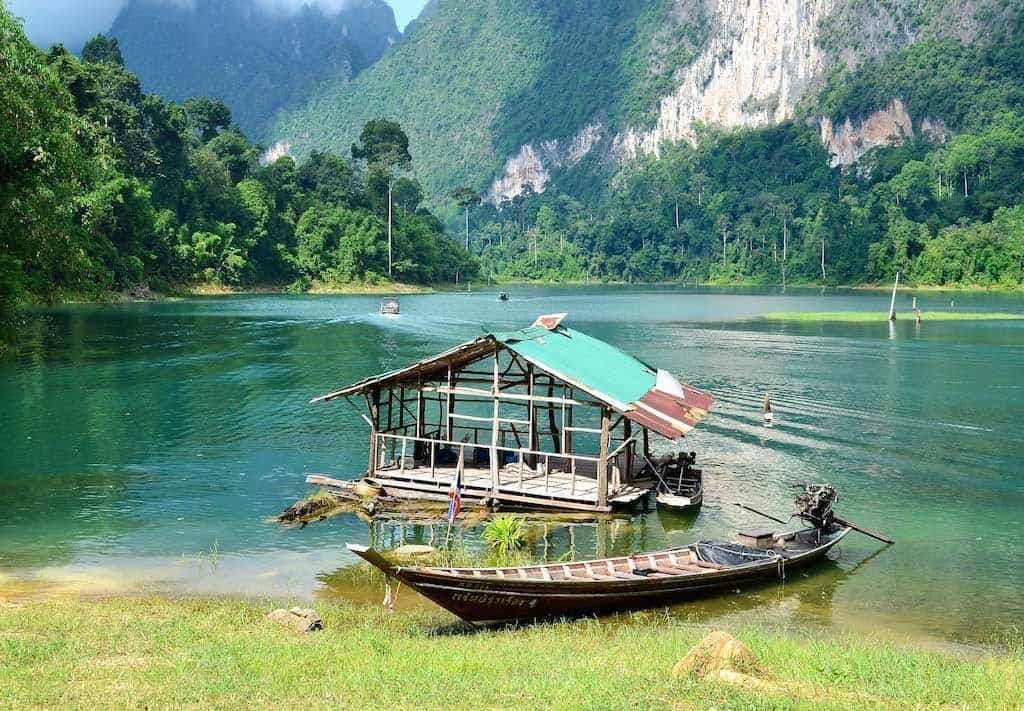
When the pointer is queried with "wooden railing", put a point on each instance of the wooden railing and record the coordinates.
(404, 447)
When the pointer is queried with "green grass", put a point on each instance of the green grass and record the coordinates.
(876, 317)
(161, 653)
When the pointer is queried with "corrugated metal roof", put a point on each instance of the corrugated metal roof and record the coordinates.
(651, 398)
(593, 365)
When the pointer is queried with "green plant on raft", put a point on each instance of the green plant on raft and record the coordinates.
(505, 534)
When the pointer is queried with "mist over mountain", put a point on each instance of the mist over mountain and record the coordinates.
(258, 56)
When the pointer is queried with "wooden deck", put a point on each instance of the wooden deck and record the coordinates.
(559, 490)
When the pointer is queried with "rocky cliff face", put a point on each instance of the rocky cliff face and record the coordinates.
(893, 125)
(531, 165)
(760, 60)
(753, 71)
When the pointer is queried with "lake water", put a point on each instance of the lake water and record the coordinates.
(147, 446)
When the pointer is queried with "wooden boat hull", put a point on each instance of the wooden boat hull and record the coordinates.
(489, 599)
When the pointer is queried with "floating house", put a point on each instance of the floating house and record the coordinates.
(541, 417)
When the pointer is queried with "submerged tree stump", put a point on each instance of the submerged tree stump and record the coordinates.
(308, 508)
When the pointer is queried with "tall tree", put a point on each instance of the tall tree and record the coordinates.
(466, 198)
(207, 117)
(102, 50)
(384, 145)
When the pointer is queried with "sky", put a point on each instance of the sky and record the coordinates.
(74, 21)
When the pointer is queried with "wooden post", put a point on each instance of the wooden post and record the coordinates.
(494, 426)
(421, 409)
(602, 460)
(569, 449)
(401, 409)
(449, 404)
(892, 302)
(374, 414)
(555, 438)
(530, 388)
(391, 398)
(630, 450)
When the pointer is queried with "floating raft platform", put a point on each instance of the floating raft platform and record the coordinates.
(544, 417)
(560, 490)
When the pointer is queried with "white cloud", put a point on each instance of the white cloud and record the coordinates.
(68, 21)
(74, 21)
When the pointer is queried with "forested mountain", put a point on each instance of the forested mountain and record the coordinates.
(255, 56)
(828, 141)
(835, 141)
(104, 187)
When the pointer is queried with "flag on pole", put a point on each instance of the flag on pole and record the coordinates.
(455, 496)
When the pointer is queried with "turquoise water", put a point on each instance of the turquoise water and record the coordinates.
(146, 446)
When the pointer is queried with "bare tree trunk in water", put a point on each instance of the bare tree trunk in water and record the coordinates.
(389, 228)
(784, 241)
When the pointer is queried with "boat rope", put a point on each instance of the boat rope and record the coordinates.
(391, 598)
(780, 562)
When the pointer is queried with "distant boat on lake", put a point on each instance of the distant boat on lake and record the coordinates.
(390, 307)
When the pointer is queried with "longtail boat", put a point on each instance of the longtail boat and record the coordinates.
(485, 596)
(492, 595)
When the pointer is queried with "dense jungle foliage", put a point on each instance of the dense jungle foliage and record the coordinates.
(103, 187)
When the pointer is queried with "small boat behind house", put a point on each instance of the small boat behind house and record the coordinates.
(680, 485)
(555, 590)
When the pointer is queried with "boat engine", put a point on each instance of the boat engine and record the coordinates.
(814, 505)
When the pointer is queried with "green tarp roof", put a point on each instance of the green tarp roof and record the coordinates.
(584, 361)
(652, 398)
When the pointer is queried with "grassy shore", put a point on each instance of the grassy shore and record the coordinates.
(878, 317)
(158, 652)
